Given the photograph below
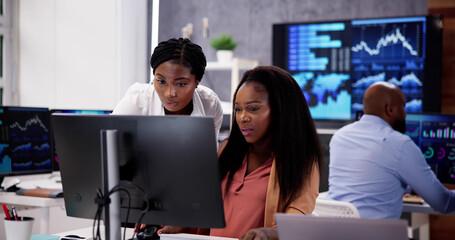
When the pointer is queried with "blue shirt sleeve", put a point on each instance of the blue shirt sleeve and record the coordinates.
(414, 170)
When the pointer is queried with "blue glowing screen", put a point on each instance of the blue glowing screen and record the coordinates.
(435, 135)
(24, 141)
(334, 63)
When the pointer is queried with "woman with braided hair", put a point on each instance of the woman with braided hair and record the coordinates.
(178, 66)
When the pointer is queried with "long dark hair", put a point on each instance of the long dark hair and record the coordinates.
(294, 139)
(181, 51)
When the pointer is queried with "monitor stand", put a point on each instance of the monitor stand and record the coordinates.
(110, 179)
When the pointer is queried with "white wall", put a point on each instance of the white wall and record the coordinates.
(80, 54)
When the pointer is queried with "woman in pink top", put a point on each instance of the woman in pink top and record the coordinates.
(272, 159)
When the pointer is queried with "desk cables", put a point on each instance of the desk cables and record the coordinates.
(102, 200)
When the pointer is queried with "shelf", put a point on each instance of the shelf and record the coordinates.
(235, 66)
(236, 62)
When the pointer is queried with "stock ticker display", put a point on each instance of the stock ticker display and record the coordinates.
(334, 63)
(25, 140)
(435, 135)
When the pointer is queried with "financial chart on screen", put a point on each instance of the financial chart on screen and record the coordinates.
(24, 140)
(335, 62)
(319, 59)
(435, 135)
(389, 50)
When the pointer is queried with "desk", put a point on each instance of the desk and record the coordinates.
(87, 232)
(41, 202)
(419, 219)
(423, 208)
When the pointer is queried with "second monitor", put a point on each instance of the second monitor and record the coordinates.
(435, 135)
(73, 111)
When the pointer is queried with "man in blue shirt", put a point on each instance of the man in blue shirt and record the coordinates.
(372, 161)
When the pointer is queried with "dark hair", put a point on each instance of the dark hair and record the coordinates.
(294, 139)
(181, 51)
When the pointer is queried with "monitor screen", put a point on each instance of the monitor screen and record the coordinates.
(435, 135)
(71, 111)
(335, 62)
(81, 111)
(24, 141)
(172, 159)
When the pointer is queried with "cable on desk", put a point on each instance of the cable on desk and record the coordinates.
(103, 200)
(127, 185)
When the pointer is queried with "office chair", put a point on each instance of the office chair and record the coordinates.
(331, 208)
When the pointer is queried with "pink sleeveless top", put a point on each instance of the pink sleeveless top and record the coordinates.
(244, 203)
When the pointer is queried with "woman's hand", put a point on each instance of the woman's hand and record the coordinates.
(139, 227)
(171, 229)
(260, 234)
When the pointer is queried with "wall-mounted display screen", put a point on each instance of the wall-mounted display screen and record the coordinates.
(335, 62)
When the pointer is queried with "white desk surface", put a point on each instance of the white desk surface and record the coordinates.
(184, 236)
(87, 232)
(14, 199)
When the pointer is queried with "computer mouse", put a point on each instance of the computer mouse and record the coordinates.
(72, 237)
(149, 233)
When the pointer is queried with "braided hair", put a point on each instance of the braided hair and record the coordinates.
(180, 51)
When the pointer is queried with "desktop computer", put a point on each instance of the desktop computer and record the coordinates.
(167, 165)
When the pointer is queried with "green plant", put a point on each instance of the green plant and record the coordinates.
(224, 42)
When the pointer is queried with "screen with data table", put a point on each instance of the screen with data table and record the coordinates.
(435, 135)
(24, 141)
(335, 62)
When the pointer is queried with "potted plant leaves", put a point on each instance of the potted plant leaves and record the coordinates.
(224, 46)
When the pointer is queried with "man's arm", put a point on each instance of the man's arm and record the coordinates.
(415, 171)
